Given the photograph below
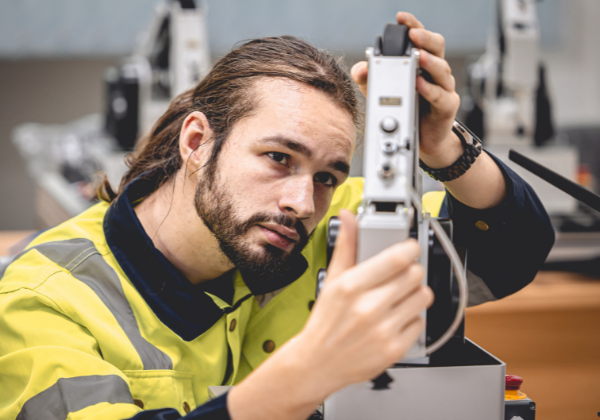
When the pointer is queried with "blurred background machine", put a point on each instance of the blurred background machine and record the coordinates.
(510, 107)
(172, 55)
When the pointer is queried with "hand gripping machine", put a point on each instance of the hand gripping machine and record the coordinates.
(444, 376)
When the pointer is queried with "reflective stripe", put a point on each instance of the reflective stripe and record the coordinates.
(69, 395)
(81, 258)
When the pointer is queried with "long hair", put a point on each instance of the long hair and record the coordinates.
(225, 96)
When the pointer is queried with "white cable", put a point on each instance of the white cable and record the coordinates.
(459, 271)
(463, 289)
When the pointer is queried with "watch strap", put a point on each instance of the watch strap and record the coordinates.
(472, 149)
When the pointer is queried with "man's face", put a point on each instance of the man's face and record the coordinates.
(275, 176)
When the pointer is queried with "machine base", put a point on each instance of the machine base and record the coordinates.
(471, 387)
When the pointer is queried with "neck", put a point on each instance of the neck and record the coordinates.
(169, 218)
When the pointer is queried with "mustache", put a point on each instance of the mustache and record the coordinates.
(280, 219)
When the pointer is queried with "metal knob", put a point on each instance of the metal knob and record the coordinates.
(389, 147)
(386, 171)
(389, 124)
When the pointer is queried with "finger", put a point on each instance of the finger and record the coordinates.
(411, 307)
(408, 19)
(405, 339)
(344, 254)
(383, 300)
(385, 266)
(444, 104)
(427, 40)
(439, 69)
(359, 74)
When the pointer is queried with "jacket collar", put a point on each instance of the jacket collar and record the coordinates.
(183, 307)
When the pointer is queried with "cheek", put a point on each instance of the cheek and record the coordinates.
(322, 203)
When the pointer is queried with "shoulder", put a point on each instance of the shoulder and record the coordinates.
(85, 225)
(57, 251)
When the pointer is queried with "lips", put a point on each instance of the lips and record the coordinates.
(280, 236)
(287, 232)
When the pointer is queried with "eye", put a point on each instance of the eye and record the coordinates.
(279, 157)
(325, 178)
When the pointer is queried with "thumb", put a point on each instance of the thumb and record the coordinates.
(344, 254)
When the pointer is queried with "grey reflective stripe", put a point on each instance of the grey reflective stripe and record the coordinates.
(81, 258)
(69, 395)
(4, 263)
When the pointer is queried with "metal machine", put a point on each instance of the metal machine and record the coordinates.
(172, 56)
(444, 374)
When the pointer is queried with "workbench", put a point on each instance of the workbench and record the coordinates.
(549, 334)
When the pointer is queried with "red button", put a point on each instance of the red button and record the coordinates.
(513, 382)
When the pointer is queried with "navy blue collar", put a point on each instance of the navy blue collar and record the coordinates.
(183, 307)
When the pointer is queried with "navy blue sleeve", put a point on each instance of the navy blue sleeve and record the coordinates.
(213, 410)
(507, 255)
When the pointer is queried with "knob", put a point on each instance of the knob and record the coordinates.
(386, 171)
(389, 124)
(389, 147)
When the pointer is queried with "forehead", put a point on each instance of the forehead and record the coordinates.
(292, 109)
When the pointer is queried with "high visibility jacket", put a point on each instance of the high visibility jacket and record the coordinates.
(78, 338)
(81, 339)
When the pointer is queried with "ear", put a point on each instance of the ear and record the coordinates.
(195, 134)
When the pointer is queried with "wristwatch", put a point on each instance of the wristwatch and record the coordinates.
(472, 146)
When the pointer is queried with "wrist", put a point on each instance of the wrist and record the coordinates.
(444, 154)
(283, 387)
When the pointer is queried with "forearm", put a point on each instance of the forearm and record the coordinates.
(483, 185)
(516, 240)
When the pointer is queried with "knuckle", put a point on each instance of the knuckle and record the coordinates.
(418, 271)
(437, 97)
(456, 97)
(429, 296)
(452, 81)
(414, 275)
(346, 289)
(363, 312)
(442, 41)
(447, 68)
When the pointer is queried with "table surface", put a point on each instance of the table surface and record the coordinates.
(549, 334)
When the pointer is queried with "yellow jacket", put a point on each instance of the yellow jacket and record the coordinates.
(78, 339)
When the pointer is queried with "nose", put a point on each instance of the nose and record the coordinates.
(298, 197)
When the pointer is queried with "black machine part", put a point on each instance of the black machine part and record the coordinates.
(559, 181)
(122, 105)
(519, 409)
(440, 279)
(396, 43)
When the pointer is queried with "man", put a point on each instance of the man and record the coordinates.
(132, 310)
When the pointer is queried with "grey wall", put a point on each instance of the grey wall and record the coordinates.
(69, 28)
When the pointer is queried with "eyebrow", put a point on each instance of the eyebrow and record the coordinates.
(296, 146)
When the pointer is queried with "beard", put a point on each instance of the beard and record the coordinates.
(265, 269)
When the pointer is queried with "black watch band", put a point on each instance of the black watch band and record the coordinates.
(472, 147)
